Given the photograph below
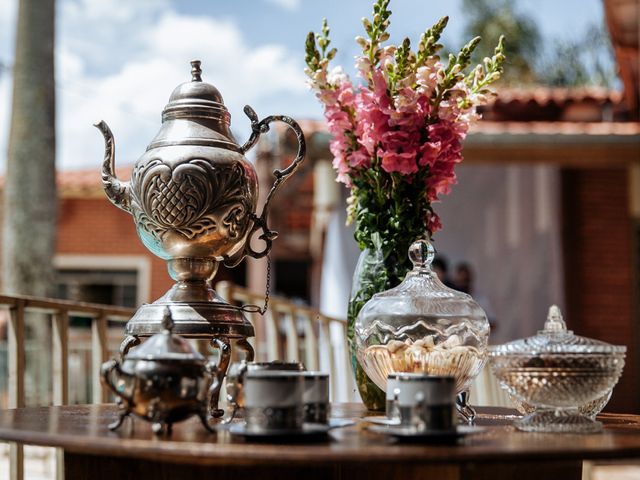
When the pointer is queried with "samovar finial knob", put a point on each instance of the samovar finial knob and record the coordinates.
(196, 71)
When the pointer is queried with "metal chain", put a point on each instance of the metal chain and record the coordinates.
(267, 287)
(255, 308)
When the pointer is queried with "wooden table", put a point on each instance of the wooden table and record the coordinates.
(93, 452)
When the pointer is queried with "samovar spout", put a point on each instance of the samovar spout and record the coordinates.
(118, 192)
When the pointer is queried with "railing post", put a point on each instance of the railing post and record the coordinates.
(346, 356)
(16, 344)
(224, 289)
(16, 356)
(291, 332)
(325, 328)
(60, 374)
(60, 357)
(99, 355)
(312, 360)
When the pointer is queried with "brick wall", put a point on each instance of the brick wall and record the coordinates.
(598, 267)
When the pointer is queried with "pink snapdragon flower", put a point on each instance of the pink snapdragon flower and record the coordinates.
(394, 162)
(397, 136)
(433, 223)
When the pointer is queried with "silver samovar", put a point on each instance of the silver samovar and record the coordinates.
(193, 197)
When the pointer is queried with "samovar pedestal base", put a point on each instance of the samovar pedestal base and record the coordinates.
(216, 321)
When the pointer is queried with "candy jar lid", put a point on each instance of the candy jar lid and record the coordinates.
(421, 293)
(166, 346)
(556, 339)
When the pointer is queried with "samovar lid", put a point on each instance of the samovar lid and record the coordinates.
(195, 115)
(195, 92)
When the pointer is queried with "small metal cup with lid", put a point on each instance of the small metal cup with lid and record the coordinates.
(163, 381)
(560, 379)
(274, 401)
(238, 372)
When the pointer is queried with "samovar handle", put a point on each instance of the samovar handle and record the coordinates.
(105, 376)
(117, 191)
(258, 127)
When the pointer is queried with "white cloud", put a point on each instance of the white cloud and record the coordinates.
(8, 11)
(121, 65)
(118, 11)
(290, 5)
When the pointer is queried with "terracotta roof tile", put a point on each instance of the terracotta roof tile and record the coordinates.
(556, 128)
(543, 96)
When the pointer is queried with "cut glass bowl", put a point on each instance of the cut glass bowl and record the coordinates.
(560, 379)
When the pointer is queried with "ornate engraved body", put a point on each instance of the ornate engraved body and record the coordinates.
(193, 207)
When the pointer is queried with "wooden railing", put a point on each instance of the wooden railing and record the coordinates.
(293, 332)
(287, 331)
(57, 312)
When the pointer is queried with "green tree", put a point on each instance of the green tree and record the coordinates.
(492, 18)
(586, 59)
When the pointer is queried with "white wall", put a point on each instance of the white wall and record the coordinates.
(505, 221)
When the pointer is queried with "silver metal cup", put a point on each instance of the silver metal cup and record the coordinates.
(391, 406)
(273, 401)
(235, 380)
(316, 397)
(425, 402)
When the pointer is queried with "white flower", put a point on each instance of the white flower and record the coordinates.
(363, 64)
(427, 77)
(337, 76)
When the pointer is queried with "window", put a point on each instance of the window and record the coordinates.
(110, 287)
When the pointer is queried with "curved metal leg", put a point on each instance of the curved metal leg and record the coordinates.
(222, 344)
(234, 410)
(205, 423)
(243, 344)
(129, 342)
(249, 355)
(464, 409)
(121, 416)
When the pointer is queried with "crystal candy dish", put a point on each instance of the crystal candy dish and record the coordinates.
(422, 326)
(560, 379)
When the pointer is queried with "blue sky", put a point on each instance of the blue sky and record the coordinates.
(119, 59)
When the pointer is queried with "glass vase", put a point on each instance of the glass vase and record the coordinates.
(382, 265)
(369, 277)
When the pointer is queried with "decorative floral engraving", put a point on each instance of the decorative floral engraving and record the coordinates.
(193, 198)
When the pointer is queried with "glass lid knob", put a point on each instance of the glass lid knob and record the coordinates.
(421, 254)
(555, 322)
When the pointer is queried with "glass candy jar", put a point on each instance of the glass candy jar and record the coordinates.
(422, 326)
(560, 379)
